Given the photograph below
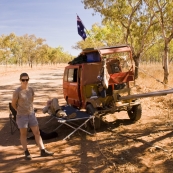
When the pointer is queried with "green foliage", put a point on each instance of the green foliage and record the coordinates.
(143, 24)
(146, 25)
(28, 49)
(99, 36)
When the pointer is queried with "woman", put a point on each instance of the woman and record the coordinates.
(22, 102)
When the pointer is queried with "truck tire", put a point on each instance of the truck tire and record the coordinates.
(135, 112)
(91, 110)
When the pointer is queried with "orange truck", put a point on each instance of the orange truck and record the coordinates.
(98, 80)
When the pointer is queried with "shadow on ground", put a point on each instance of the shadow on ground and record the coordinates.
(111, 146)
(119, 146)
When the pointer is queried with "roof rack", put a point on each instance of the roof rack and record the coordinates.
(106, 47)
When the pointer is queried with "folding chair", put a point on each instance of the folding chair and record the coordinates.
(12, 116)
(76, 123)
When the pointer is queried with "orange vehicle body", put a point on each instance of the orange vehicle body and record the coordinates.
(98, 80)
(79, 77)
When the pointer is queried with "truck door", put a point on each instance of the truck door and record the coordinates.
(71, 85)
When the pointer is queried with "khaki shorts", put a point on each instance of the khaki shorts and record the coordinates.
(24, 120)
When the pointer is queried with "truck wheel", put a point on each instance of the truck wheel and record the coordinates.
(91, 110)
(135, 112)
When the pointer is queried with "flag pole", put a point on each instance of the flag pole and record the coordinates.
(103, 71)
(87, 30)
(89, 35)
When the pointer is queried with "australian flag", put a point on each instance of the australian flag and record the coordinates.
(80, 28)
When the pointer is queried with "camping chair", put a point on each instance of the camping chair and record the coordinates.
(12, 116)
(76, 123)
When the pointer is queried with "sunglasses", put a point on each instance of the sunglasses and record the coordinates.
(24, 80)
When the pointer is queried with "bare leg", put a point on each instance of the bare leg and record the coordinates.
(39, 142)
(23, 140)
(38, 139)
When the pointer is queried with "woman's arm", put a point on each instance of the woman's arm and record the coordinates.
(14, 103)
(33, 94)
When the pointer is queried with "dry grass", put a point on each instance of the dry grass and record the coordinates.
(151, 76)
(147, 141)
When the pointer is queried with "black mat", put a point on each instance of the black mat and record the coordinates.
(70, 110)
(45, 136)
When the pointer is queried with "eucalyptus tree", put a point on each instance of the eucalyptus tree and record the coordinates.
(171, 52)
(163, 10)
(1, 56)
(53, 56)
(153, 54)
(62, 56)
(31, 47)
(43, 54)
(6, 44)
(1, 51)
(39, 45)
(135, 20)
(67, 57)
(59, 54)
(17, 50)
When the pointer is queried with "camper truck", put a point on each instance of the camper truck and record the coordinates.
(99, 81)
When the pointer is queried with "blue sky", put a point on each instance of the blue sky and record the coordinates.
(53, 20)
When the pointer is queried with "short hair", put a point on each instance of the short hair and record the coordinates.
(24, 74)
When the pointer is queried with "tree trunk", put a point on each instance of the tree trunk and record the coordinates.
(165, 64)
(136, 59)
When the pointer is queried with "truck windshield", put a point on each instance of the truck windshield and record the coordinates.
(121, 59)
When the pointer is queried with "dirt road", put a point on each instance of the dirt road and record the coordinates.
(119, 146)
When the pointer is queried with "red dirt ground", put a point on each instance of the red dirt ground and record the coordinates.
(119, 146)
